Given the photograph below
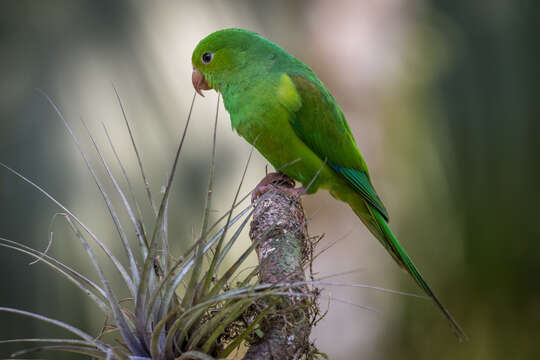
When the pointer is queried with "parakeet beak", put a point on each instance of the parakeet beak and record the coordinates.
(199, 82)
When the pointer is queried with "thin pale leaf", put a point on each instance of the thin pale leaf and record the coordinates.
(68, 273)
(217, 253)
(107, 251)
(51, 237)
(184, 321)
(155, 350)
(65, 348)
(195, 274)
(132, 341)
(223, 280)
(116, 220)
(137, 220)
(187, 264)
(232, 240)
(141, 168)
(98, 344)
(149, 263)
(49, 340)
(129, 281)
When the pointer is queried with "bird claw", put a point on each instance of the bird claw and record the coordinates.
(276, 179)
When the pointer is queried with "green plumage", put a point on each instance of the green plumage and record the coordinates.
(278, 104)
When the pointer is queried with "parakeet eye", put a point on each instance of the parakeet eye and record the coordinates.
(207, 57)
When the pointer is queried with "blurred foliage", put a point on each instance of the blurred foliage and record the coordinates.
(483, 109)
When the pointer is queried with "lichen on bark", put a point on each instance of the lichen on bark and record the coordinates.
(280, 228)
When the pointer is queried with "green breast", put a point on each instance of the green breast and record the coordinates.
(259, 117)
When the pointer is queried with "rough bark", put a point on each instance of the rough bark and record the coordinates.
(279, 224)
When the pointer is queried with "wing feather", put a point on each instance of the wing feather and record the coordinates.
(320, 124)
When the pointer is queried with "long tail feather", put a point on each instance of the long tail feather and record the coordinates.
(383, 233)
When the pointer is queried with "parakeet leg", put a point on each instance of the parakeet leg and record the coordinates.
(276, 179)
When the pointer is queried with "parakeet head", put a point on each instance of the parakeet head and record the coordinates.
(220, 56)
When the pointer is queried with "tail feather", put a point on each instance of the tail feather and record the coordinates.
(382, 231)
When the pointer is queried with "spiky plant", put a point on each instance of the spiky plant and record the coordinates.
(210, 317)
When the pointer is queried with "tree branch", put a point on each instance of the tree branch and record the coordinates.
(279, 224)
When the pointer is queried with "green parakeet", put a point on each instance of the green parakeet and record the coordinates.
(278, 105)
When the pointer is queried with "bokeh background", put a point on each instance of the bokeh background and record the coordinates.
(443, 98)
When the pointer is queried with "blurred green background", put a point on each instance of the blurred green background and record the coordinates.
(443, 99)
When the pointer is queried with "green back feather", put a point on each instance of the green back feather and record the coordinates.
(320, 123)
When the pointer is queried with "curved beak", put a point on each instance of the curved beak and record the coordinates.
(199, 82)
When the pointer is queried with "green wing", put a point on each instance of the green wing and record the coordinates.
(320, 123)
(360, 181)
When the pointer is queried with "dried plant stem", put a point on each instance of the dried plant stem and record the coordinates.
(279, 226)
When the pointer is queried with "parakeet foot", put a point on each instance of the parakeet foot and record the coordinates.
(276, 179)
